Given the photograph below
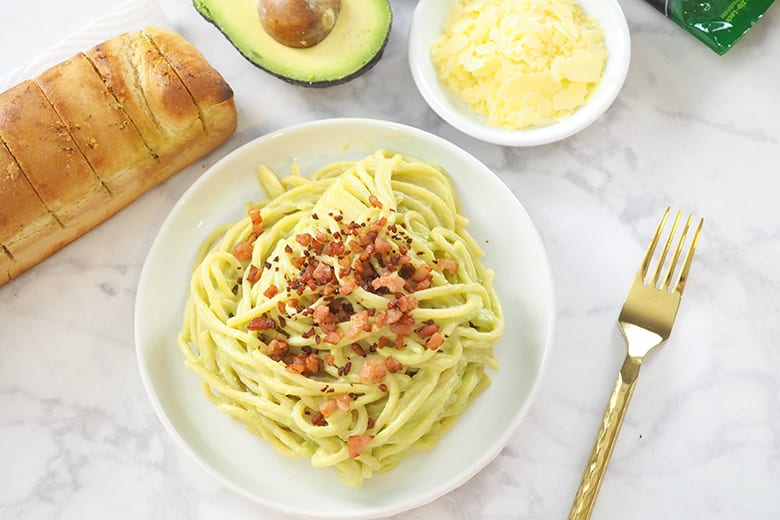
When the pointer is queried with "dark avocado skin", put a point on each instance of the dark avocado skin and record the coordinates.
(312, 84)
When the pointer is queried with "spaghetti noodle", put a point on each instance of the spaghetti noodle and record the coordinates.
(347, 318)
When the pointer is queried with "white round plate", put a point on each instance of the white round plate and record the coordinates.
(246, 463)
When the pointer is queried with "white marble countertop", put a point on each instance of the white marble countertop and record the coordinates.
(78, 438)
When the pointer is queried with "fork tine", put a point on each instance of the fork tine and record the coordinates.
(651, 248)
(657, 275)
(688, 259)
(673, 263)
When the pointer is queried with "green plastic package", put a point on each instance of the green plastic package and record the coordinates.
(717, 23)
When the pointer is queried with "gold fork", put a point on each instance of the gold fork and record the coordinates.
(646, 321)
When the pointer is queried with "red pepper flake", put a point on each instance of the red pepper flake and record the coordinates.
(382, 387)
(319, 420)
(309, 333)
(371, 423)
(288, 249)
(345, 369)
(374, 201)
(357, 349)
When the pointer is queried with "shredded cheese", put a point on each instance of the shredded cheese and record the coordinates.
(520, 63)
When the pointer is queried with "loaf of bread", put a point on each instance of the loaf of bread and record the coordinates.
(85, 138)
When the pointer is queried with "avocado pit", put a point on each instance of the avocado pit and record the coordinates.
(298, 23)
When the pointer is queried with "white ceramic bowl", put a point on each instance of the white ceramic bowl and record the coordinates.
(427, 25)
(246, 463)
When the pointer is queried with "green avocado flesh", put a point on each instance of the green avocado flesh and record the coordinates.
(353, 46)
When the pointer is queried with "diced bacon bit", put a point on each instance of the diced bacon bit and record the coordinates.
(356, 443)
(330, 359)
(422, 272)
(322, 237)
(436, 340)
(393, 365)
(399, 342)
(383, 342)
(372, 371)
(309, 333)
(321, 314)
(253, 275)
(243, 250)
(332, 337)
(381, 319)
(355, 246)
(303, 239)
(343, 402)
(257, 221)
(298, 262)
(370, 423)
(447, 264)
(403, 303)
(428, 329)
(377, 226)
(303, 363)
(391, 281)
(261, 323)
(335, 248)
(271, 291)
(348, 285)
(423, 285)
(393, 316)
(323, 273)
(357, 349)
(358, 322)
(402, 328)
(328, 408)
(277, 348)
(382, 246)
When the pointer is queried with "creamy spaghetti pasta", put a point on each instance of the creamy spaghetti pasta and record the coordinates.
(347, 318)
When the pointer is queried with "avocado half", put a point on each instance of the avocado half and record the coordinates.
(353, 46)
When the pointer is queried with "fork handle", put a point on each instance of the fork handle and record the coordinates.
(605, 440)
